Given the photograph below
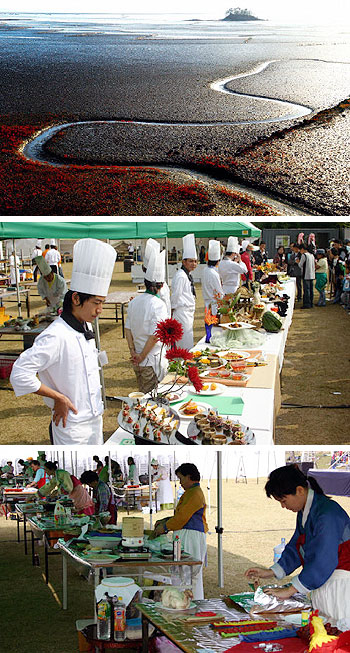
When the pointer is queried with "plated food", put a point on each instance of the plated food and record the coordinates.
(210, 388)
(236, 326)
(149, 420)
(234, 355)
(191, 408)
(216, 429)
(226, 375)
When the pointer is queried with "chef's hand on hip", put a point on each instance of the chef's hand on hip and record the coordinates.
(61, 408)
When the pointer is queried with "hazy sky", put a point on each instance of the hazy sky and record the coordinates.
(297, 11)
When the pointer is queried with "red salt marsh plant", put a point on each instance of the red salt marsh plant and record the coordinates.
(31, 188)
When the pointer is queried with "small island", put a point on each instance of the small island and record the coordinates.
(238, 14)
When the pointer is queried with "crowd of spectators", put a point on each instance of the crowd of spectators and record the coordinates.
(314, 268)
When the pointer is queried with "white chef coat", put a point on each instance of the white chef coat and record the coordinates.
(54, 291)
(53, 257)
(36, 252)
(183, 304)
(165, 491)
(164, 294)
(13, 270)
(65, 361)
(211, 285)
(144, 313)
(230, 273)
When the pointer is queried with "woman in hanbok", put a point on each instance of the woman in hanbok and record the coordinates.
(189, 522)
(62, 482)
(320, 544)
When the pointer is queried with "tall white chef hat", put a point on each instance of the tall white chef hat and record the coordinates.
(93, 263)
(245, 244)
(150, 246)
(52, 241)
(156, 267)
(38, 244)
(189, 247)
(43, 265)
(232, 244)
(214, 251)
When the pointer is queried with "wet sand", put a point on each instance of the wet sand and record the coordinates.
(55, 79)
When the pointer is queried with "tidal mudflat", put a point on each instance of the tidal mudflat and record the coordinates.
(173, 118)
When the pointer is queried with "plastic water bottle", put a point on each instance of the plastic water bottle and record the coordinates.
(104, 618)
(59, 514)
(119, 619)
(278, 550)
(177, 549)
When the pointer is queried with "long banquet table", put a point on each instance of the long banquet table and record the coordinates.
(261, 396)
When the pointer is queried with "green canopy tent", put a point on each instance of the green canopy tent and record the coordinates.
(131, 230)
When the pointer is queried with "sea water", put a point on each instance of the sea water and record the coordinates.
(168, 26)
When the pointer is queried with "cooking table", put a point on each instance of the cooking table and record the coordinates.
(181, 570)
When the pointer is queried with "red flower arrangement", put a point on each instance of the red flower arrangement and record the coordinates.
(195, 379)
(169, 331)
(179, 352)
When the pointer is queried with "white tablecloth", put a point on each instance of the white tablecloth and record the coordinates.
(258, 411)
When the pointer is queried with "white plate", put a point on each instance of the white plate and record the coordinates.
(219, 389)
(243, 355)
(160, 606)
(242, 325)
(296, 619)
(202, 406)
(217, 379)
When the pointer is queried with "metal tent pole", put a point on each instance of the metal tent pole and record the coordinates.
(19, 307)
(166, 260)
(150, 491)
(219, 528)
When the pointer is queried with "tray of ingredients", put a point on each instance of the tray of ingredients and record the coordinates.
(216, 429)
(149, 421)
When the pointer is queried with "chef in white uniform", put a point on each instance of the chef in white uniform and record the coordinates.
(183, 294)
(144, 313)
(53, 256)
(211, 282)
(164, 291)
(160, 475)
(231, 267)
(63, 364)
(37, 251)
(51, 286)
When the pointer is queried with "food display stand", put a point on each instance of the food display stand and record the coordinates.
(182, 569)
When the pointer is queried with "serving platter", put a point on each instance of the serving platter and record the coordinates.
(233, 355)
(237, 326)
(193, 432)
